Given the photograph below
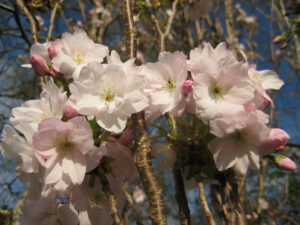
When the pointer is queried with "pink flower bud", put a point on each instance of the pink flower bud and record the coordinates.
(187, 86)
(278, 138)
(279, 39)
(52, 52)
(127, 137)
(70, 112)
(285, 163)
(54, 73)
(265, 103)
(39, 64)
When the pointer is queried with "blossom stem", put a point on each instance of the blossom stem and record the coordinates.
(111, 198)
(143, 147)
(204, 204)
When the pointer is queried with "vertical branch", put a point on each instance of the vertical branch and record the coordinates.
(229, 20)
(130, 29)
(168, 27)
(184, 211)
(204, 204)
(111, 198)
(28, 15)
(52, 17)
(143, 147)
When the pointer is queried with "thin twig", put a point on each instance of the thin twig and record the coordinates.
(52, 17)
(23, 33)
(29, 17)
(204, 204)
(111, 198)
(6, 7)
(131, 203)
(165, 34)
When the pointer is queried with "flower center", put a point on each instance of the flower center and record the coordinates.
(108, 95)
(78, 59)
(171, 85)
(216, 92)
(65, 146)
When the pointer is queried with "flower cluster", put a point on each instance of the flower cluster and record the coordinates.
(60, 139)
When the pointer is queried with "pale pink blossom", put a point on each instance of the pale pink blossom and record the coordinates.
(72, 57)
(221, 91)
(65, 146)
(52, 103)
(237, 141)
(48, 211)
(164, 82)
(285, 163)
(15, 146)
(262, 81)
(207, 57)
(111, 94)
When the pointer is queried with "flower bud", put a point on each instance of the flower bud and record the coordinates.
(279, 39)
(70, 112)
(283, 46)
(54, 73)
(278, 138)
(265, 103)
(52, 52)
(285, 163)
(187, 86)
(39, 64)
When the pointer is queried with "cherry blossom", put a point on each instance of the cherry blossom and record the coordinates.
(111, 94)
(64, 145)
(164, 83)
(51, 104)
(237, 141)
(71, 57)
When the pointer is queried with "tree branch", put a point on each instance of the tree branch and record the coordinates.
(204, 204)
(143, 147)
(184, 211)
(28, 15)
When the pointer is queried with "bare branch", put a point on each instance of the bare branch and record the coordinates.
(111, 198)
(53, 13)
(7, 8)
(28, 15)
(204, 204)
